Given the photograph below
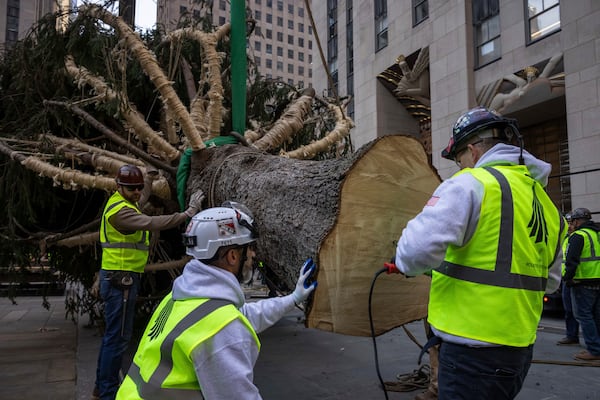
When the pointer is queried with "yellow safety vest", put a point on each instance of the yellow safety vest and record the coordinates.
(491, 289)
(563, 265)
(589, 261)
(122, 252)
(162, 367)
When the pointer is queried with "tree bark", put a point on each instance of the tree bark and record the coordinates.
(347, 214)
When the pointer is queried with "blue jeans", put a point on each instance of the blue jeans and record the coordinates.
(491, 373)
(114, 344)
(586, 306)
(572, 326)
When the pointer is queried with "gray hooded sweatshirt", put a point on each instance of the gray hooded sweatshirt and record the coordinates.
(224, 364)
(450, 217)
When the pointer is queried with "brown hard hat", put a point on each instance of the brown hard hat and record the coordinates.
(130, 175)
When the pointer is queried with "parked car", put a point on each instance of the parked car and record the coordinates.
(553, 303)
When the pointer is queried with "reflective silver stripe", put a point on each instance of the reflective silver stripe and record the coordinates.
(592, 256)
(501, 275)
(164, 393)
(152, 390)
(136, 246)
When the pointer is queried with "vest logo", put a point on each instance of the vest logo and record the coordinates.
(537, 223)
(161, 320)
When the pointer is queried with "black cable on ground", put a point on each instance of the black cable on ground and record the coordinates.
(373, 332)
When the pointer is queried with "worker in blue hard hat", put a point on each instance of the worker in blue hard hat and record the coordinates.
(491, 238)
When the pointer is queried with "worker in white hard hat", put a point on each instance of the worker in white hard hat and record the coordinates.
(202, 340)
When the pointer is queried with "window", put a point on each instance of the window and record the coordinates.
(257, 31)
(420, 9)
(301, 42)
(290, 54)
(270, 18)
(291, 9)
(222, 5)
(290, 39)
(486, 27)
(381, 24)
(300, 27)
(279, 65)
(310, 44)
(269, 63)
(257, 15)
(257, 61)
(279, 21)
(279, 5)
(270, 3)
(269, 76)
(300, 12)
(301, 70)
(301, 56)
(269, 49)
(290, 68)
(290, 82)
(257, 46)
(290, 24)
(269, 34)
(543, 18)
(221, 20)
(280, 36)
(256, 1)
(280, 51)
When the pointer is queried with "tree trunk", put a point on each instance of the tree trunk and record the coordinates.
(347, 214)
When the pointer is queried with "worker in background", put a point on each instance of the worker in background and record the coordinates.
(201, 342)
(582, 275)
(492, 239)
(571, 324)
(125, 239)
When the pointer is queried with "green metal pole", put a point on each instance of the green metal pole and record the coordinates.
(238, 65)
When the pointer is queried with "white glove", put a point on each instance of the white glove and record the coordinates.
(304, 288)
(195, 203)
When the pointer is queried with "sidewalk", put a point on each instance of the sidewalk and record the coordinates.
(38, 348)
(45, 356)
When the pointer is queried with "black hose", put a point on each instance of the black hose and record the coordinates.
(373, 332)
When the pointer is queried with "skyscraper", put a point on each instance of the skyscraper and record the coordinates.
(282, 41)
(18, 16)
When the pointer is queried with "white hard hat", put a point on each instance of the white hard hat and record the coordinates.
(216, 227)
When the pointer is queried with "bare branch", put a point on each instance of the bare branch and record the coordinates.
(150, 66)
(133, 117)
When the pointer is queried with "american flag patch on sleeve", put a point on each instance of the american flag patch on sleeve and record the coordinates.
(432, 201)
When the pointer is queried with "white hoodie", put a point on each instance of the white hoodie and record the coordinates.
(224, 364)
(452, 214)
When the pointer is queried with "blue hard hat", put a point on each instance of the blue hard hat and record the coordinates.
(472, 122)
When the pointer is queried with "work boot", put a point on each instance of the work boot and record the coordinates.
(426, 395)
(566, 341)
(585, 355)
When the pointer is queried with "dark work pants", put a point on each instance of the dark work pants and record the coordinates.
(490, 373)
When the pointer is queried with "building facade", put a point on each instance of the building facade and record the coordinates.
(281, 44)
(414, 66)
(18, 16)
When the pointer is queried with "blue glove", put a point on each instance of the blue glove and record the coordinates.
(305, 284)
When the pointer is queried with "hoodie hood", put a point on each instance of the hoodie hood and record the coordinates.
(539, 170)
(590, 225)
(200, 280)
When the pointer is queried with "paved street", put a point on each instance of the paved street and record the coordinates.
(45, 356)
